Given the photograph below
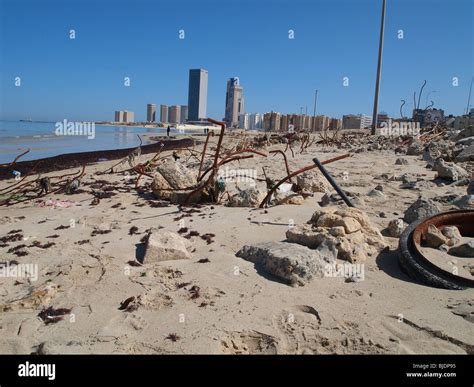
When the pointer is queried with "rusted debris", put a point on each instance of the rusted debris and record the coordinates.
(285, 179)
(424, 269)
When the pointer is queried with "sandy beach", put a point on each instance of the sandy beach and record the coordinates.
(89, 257)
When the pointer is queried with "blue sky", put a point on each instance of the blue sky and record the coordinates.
(82, 79)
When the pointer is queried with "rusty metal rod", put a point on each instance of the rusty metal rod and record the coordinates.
(286, 161)
(209, 134)
(307, 168)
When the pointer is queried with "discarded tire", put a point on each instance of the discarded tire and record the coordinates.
(421, 269)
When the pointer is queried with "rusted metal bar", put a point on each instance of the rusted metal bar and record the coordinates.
(308, 168)
(286, 160)
(209, 134)
(15, 160)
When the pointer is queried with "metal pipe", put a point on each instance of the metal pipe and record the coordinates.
(333, 182)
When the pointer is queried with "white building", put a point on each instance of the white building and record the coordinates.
(244, 121)
(255, 121)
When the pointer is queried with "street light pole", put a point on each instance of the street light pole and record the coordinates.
(315, 101)
(379, 70)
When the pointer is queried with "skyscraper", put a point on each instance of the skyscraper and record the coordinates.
(184, 114)
(163, 113)
(197, 95)
(151, 112)
(234, 102)
(119, 116)
(174, 114)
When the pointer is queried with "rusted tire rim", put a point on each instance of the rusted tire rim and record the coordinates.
(415, 264)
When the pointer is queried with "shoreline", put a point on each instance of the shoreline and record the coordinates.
(77, 159)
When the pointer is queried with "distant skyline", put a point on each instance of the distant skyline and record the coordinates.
(83, 78)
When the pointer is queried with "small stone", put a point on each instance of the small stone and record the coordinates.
(465, 250)
(420, 209)
(395, 228)
(379, 188)
(376, 193)
(312, 181)
(350, 225)
(337, 231)
(449, 171)
(470, 187)
(165, 246)
(401, 161)
(466, 155)
(434, 237)
(453, 235)
(251, 197)
(464, 202)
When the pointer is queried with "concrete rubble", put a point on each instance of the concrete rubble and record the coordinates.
(350, 229)
(165, 246)
(420, 209)
(294, 264)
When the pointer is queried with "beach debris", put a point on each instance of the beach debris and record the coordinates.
(470, 187)
(177, 175)
(250, 197)
(401, 161)
(129, 305)
(44, 185)
(293, 198)
(453, 235)
(449, 171)
(421, 267)
(395, 228)
(464, 202)
(464, 250)
(467, 154)
(312, 181)
(330, 179)
(420, 209)
(51, 315)
(25, 190)
(415, 148)
(164, 246)
(173, 337)
(350, 229)
(72, 186)
(53, 203)
(38, 297)
(296, 173)
(293, 264)
(435, 238)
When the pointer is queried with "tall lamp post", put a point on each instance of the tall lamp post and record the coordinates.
(315, 101)
(379, 70)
